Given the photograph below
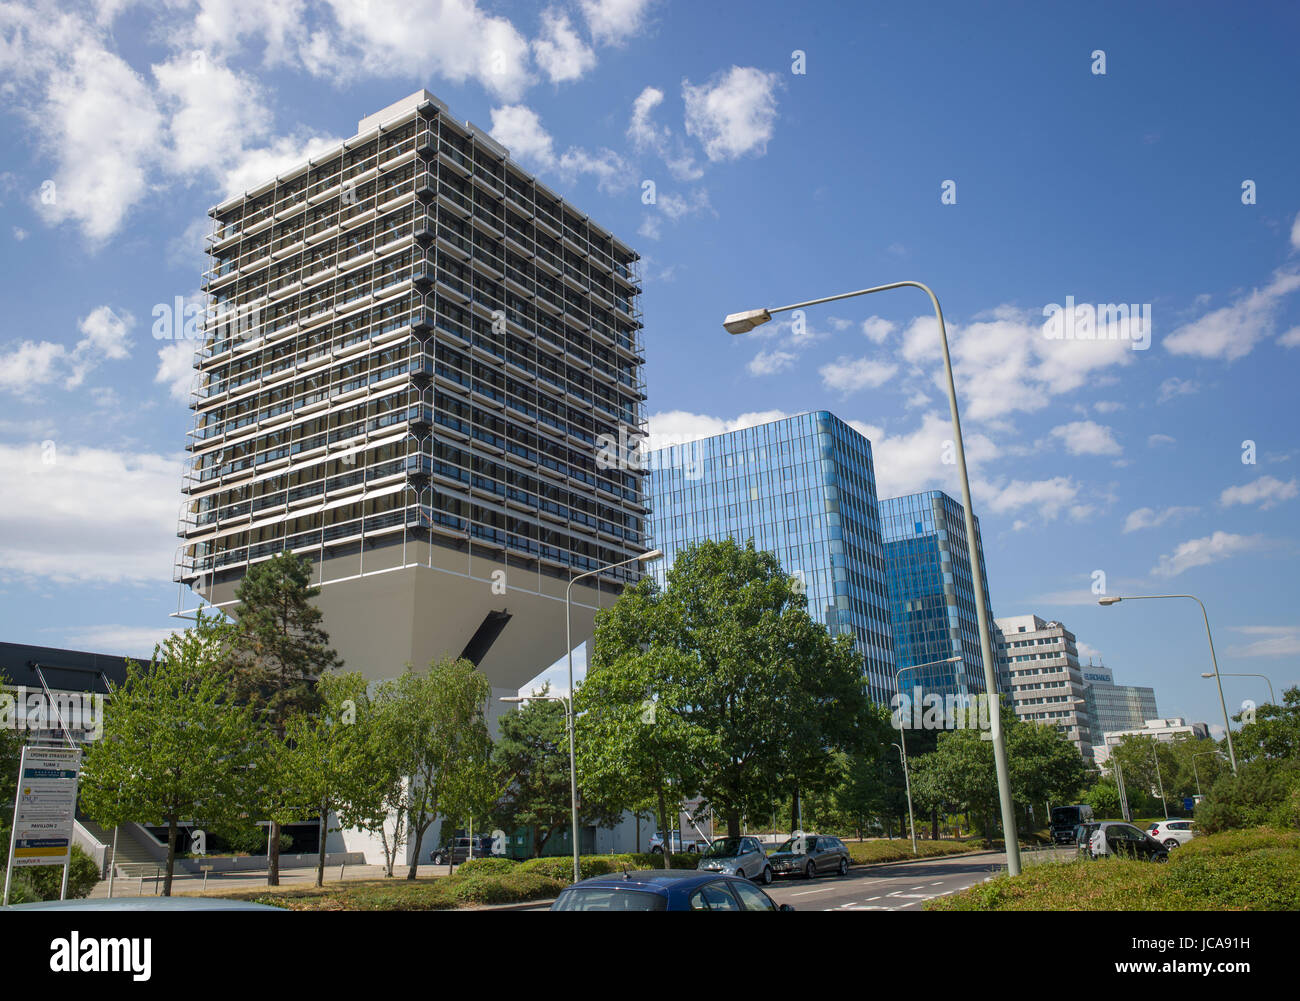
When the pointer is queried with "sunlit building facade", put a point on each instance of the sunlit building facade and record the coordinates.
(932, 594)
(802, 488)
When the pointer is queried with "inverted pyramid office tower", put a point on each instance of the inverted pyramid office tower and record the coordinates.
(411, 354)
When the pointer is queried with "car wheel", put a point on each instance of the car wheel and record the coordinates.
(767, 875)
(438, 859)
(844, 867)
(810, 871)
(1171, 844)
(656, 850)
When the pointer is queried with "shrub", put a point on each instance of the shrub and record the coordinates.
(561, 867)
(492, 865)
(31, 885)
(654, 860)
(507, 888)
(1263, 792)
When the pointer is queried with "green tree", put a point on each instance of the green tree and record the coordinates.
(1104, 800)
(633, 751)
(1272, 732)
(330, 759)
(280, 650)
(1044, 766)
(761, 691)
(435, 734)
(177, 745)
(958, 775)
(532, 752)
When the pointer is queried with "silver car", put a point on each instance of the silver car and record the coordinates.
(737, 857)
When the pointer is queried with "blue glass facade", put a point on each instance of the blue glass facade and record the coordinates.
(932, 593)
(803, 488)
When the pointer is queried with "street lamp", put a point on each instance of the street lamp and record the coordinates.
(1196, 771)
(911, 824)
(1272, 698)
(1156, 759)
(743, 322)
(648, 557)
(902, 731)
(1227, 726)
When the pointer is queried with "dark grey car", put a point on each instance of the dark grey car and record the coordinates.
(810, 855)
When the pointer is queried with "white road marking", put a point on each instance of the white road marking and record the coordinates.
(804, 893)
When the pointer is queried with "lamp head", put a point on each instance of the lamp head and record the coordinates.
(650, 557)
(1112, 600)
(744, 322)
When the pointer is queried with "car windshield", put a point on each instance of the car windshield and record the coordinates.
(795, 845)
(726, 848)
(1065, 815)
(592, 898)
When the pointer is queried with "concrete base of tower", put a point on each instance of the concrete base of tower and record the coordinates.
(392, 606)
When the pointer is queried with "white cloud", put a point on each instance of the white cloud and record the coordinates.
(118, 640)
(1295, 232)
(520, 129)
(734, 114)
(560, 53)
(99, 124)
(1108, 406)
(848, 375)
(1048, 497)
(770, 362)
(1160, 439)
(920, 459)
(677, 426)
(176, 369)
(104, 337)
(1174, 387)
(1231, 332)
(876, 329)
(613, 22)
(1146, 517)
(453, 40)
(1203, 551)
(90, 515)
(1274, 641)
(1267, 492)
(645, 135)
(1291, 339)
(213, 114)
(1087, 438)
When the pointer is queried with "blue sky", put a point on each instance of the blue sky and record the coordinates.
(125, 121)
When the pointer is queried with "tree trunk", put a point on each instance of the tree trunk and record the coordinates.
(171, 856)
(733, 821)
(415, 857)
(273, 855)
(794, 810)
(934, 824)
(320, 848)
(666, 828)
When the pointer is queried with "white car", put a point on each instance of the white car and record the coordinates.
(1172, 833)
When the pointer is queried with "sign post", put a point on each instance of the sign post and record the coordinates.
(44, 810)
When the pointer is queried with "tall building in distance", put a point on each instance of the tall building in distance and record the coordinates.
(802, 488)
(932, 594)
(1047, 683)
(1113, 707)
(412, 350)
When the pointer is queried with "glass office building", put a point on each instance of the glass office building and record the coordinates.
(802, 488)
(932, 593)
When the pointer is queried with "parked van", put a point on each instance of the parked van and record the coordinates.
(1065, 819)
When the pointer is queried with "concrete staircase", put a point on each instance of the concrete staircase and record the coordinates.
(132, 859)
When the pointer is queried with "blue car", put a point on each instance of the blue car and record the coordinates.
(666, 890)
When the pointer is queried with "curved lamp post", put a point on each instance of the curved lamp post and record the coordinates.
(1272, 698)
(1227, 726)
(743, 322)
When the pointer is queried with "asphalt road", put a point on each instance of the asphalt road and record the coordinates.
(901, 887)
(898, 887)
